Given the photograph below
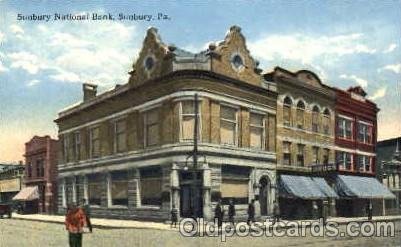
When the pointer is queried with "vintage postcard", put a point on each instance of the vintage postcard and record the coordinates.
(200, 123)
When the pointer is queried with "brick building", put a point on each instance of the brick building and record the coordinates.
(41, 172)
(11, 181)
(128, 151)
(305, 139)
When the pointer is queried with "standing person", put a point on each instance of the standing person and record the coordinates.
(276, 212)
(369, 209)
(174, 216)
(218, 214)
(231, 211)
(251, 212)
(75, 221)
(87, 211)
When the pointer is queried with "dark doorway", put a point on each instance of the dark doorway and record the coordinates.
(264, 195)
(191, 194)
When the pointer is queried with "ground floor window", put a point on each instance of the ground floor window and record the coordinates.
(235, 184)
(151, 186)
(119, 188)
(95, 184)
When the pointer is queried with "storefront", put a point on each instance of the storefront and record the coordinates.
(27, 200)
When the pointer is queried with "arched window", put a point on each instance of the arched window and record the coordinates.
(300, 114)
(326, 121)
(287, 111)
(315, 118)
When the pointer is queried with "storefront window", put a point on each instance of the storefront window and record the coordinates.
(235, 184)
(151, 186)
(95, 184)
(119, 188)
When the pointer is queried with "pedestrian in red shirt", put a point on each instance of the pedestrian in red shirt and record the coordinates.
(75, 221)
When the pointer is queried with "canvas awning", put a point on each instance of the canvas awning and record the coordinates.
(27, 194)
(308, 188)
(361, 187)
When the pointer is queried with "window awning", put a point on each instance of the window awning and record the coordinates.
(303, 187)
(361, 187)
(27, 194)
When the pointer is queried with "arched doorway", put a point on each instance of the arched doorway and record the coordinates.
(264, 183)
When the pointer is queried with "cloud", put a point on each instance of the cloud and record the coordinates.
(2, 37)
(26, 61)
(396, 68)
(66, 39)
(2, 67)
(380, 93)
(16, 29)
(307, 49)
(390, 48)
(32, 83)
(361, 82)
(65, 76)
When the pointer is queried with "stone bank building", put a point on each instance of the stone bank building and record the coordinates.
(128, 151)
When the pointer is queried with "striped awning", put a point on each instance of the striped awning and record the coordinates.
(308, 188)
(361, 187)
(27, 194)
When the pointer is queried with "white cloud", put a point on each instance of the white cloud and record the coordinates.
(390, 48)
(66, 39)
(25, 60)
(2, 37)
(2, 67)
(65, 76)
(308, 49)
(396, 68)
(32, 83)
(361, 82)
(380, 93)
(16, 29)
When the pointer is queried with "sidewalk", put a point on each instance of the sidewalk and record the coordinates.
(111, 223)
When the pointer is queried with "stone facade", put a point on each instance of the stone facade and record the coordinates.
(143, 129)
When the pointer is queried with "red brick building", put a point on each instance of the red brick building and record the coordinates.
(41, 171)
(356, 132)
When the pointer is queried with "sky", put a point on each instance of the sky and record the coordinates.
(44, 63)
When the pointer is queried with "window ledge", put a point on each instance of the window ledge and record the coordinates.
(94, 206)
(149, 207)
(117, 207)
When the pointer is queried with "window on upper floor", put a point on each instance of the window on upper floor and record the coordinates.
(257, 131)
(77, 145)
(29, 170)
(188, 120)
(344, 128)
(315, 119)
(66, 143)
(315, 155)
(300, 114)
(287, 111)
(152, 127)
(326, 121)
(120, 136)
(40, 169)
(94, 135)
(228, 125)
(301, 155)
(326, 156)
(287, 153)
(364, 163)
(364, 133)
(344, 160)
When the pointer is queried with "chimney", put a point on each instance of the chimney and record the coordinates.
(89, 91)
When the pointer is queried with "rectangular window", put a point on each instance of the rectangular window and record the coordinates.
(228, 125)
(151, 186)
(40, 170)
(287, 115)
(326, 155)
(94, 142)
(364, 133)
(235, 184)
(257, 130)
(344, 127)
(152, 127)
(29, 170)
(77, 146)
(94, 184)
(119, 188)
(326, 124)
(315, 121)
(65, 148)
(300, 155)
(364, 163)
(188, 120)
(286, 153)
(344, 160)
(315, 155)
(120, 136)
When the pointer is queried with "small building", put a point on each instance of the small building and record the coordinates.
(41, 172)
(11, 181)
(389, 163)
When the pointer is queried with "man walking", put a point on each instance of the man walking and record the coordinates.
(174, 216)
(251, 212)
(218, 214)
(276, 212)
(231, 211)
(75, 221)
